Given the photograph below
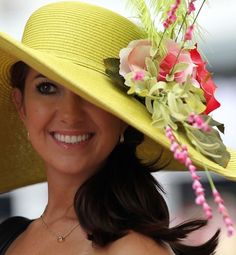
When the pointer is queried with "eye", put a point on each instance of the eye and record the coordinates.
(46, 88)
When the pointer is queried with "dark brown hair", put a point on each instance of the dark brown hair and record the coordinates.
(124, 196)
(18, 75)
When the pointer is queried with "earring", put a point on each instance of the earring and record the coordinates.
(28, 136)
(122, 138)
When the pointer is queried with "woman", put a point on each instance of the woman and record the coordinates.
(102, 198)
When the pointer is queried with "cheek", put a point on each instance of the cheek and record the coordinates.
(111, 129)
(37, 116)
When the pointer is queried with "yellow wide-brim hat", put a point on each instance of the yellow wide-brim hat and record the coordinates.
(68, 42)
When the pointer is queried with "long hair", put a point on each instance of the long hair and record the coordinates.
(123, 195)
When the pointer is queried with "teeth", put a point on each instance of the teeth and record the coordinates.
(71, 139)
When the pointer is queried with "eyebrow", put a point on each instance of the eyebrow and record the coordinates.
(40, 76)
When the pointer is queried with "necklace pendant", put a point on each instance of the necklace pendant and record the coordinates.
(60, 239)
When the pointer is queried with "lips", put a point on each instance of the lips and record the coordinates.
(66, 138)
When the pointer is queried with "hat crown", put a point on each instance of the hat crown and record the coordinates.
(82, 33)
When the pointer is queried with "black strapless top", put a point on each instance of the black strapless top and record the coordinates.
(10, 229)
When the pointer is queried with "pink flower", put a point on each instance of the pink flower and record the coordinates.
(172, 14)
(170, 60)
(139, 75)
(203, 77)
(133, 57)
(191, 7)
(189, 33)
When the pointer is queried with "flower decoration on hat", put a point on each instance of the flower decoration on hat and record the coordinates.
(167, 73)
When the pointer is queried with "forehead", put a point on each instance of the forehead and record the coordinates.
(34, 77)
(33, 74)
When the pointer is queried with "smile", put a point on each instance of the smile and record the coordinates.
(71, 139)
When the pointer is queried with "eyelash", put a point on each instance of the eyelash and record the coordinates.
(45, 88)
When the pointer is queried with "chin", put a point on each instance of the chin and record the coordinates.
(75, 170)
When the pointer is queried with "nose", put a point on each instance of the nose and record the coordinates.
(70, 108)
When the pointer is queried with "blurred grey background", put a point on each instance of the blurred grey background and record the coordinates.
(218, 21)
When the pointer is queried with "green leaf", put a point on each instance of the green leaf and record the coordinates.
(141, 9)
(170, 77)
(148, 103)
(214, 123)
(172, 102)
(209, 144)
(177, 108)
(159, 123)
(112, 66)
(162, 111)
(151, 68)
(157, 65)
(153, 51)
(131, 90)
(159, 86)
(157, 117)
(179, 67)
(195, 104)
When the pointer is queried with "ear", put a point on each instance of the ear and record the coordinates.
(18, 100)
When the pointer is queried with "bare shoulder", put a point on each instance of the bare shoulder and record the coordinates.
(136, 244)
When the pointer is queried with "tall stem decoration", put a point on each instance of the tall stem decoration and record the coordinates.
(173, 83)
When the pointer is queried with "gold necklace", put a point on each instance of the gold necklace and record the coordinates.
(59, 238)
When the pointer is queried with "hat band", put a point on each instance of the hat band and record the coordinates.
(76, 59)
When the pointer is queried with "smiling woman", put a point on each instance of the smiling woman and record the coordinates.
(69, 133)
(96, 147)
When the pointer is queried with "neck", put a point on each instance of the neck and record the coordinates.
(61, 192)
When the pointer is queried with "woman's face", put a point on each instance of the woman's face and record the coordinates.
(70, 134)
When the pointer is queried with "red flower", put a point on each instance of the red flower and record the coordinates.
(173, 50)
(203, 77)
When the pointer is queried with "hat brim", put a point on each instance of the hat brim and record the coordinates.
(23, 167)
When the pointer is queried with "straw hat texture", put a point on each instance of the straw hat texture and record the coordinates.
(67, 42)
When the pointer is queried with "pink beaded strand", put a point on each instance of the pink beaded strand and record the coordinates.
(196, 121)
(181, 154)
(224, 212)
(191, 7)
(189, 33)
(171, 15)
